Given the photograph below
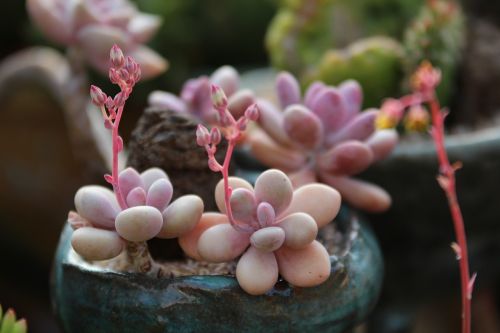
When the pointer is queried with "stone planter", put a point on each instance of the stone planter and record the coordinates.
(89, 299)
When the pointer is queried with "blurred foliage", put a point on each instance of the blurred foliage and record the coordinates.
(9, 323)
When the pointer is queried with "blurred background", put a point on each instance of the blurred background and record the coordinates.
(41, 150)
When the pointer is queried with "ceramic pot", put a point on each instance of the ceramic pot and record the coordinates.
(88, 299)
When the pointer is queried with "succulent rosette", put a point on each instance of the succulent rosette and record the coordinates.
(93, 26)
(195, 97)
(323, 137)
(275, 233)
(102, 227)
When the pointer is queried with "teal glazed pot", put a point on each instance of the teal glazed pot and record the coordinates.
(88, 299)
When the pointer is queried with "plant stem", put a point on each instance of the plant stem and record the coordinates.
(141, 260)
(114, 172)
(448, 184)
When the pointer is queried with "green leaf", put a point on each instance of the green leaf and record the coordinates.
(8, 322)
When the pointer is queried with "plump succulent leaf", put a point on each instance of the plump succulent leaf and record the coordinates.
(96, 244)
(181, 216)
(9, 323)
(139, 224)
(257, 271)
(274, 186)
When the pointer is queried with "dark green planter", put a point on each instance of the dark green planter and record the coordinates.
(89, 300)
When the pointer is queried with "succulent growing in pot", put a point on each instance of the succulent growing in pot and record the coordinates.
(324, 137)
(278, 231)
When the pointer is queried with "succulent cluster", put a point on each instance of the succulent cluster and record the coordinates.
(309, 39)
(9, 323)
(323, 136)
(195, 97)
(92, 27)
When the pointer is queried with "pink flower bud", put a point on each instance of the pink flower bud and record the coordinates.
(417, 119)
(426, 78)
(252, 112)
(116, 56)
(241, 124)
(215, 136)
(119, 99)
(98, 96)
(265, 214)
(202, 136)
(219, 99)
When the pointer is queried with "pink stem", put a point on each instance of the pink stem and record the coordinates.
(114, 172)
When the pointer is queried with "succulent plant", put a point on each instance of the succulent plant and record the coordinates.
(138, 208)
(196, 96)
(280, 231)
(9, 323)
(437, 35)
(324, 137)
(92, 26)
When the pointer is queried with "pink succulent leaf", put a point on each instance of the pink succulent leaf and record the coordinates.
(268, 239)
(129, 179)
(331, 108)
(268, 152)
(274, 187)
(360, 128)
(136, 197)
(306, 267)
(151, 63)
(222, 243)
(227, 78)
(243, 205)
(302, 177)
(142, 27)
(312, 93)
(96, 41)
(271, 121)
(240, 101)
(382, 143)
(300, 230)
(352, 93)
(347, 158)
(98, 205)
(181, 216)
(288, 89)
(96, 244)
(234, 183)
(76, 221)
(257, 271)
(160, 194)
(151, 175)
(303, 127)
(360, 194)
(196, 94)
(166, 100)
(320, 201)
(139, 224)
(50, 17)
(189, 240)
(265, 214)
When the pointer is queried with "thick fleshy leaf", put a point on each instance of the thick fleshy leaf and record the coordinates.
(302, 126)
(142, 27)
(302, 177)
(96, 244)
(166, 100)
(152, 64)
(312, 93)
(271, 121)
(257, 271)
(222, 243)
(268, 239)
(287, 89)
(189, 241)
(139, 224)
(347, 158)
(266, 215)
(98, 205)
(81, 14)
(320, 201)
(353, 95)
(360, 194)
(227, 78)
(50, 19)
(274, 187)
(268, 152)
(240, 101)
(129, 179)
(330, 107)
(234, 183)
(151, 175)
(136, 197)
(382, 143)
(181, 216)
(307, 267)
(359, 128)
(97, 39)
(160, 194)
(243, 205)
(196, 93)
(300, 230)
